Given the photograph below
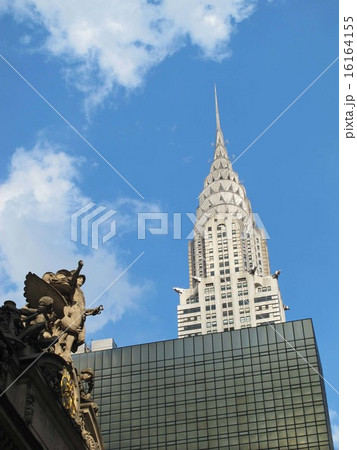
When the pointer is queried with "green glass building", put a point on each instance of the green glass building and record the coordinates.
(255, 388)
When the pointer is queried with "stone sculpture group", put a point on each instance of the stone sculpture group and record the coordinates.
(44, 333)
(56, 310)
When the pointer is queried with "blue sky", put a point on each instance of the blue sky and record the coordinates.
(146, 104)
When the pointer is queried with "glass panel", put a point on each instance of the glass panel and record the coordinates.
(207, 344)
(152, 352)
(280, 327)
(188, 346)
(178, 348)
(253, 337)
(298, 330)
(308, 331)
(116, 357)
(144, 349)
(217, 342)
(160, 351)
(198, 342)
(107, 358)
(271, 334)
(289, 333)
(135, 354)
(169, 350)
(245, 338)
(226, 340)
(98, 364)
(126, 356)
(90, 361)
(236, 340)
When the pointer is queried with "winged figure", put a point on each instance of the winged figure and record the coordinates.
(64, 288)
(36, 288)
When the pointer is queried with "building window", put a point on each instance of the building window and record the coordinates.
(192, 327)
(263, 316)
(210, 307)
(191, 310)
(192, 300)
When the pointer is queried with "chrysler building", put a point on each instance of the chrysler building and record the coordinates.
(231, 284)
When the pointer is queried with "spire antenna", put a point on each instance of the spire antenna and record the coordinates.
(218, 123)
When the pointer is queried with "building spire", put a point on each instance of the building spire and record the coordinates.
(218, 123)
(220, 150)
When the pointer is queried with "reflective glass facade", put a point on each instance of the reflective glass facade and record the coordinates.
(246, 389)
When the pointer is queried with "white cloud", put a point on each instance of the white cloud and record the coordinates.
(36, 201)
(115, 43)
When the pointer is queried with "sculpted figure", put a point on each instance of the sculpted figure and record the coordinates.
(40, 321)
(72, 323)
(10, 319)
(64, 288)
(65, 281)
(86, 376)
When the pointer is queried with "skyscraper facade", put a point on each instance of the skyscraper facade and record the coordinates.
(231, 285)
(257, 388)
